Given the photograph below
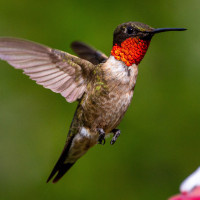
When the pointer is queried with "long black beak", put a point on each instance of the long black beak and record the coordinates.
(159, 30)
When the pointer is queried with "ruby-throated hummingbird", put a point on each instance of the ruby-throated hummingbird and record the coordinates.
(103, 86)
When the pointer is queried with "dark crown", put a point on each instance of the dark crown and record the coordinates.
(132, 29)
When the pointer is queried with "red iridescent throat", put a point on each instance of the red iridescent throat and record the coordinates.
(131, 51)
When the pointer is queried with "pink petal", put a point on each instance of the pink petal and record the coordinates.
(195, 192)
(193, 195)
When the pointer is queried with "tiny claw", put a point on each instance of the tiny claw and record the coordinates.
(101, 139)
(116, 133)
(112, 141)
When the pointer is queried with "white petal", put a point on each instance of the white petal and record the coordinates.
(191, 182)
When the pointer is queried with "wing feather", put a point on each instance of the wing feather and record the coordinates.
(54, 69)
(88, 53)
(47, 78)
(39, 68)
(39, 74)
(28, 63)
(60, 79)
(56, 84)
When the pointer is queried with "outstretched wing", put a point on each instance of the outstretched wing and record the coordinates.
(54, 69)
(88, 53)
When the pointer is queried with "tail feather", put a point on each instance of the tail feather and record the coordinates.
(61, 167)
(77, 145)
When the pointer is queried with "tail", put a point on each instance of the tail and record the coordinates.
(77, 145)
(61, 167)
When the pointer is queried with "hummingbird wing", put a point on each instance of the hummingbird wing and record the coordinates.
(88, 53)
(54, 69)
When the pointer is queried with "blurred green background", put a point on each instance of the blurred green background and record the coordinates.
(160, 141)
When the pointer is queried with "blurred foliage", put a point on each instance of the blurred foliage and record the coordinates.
(159, 145)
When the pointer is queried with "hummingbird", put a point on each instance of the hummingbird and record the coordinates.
(103, 86)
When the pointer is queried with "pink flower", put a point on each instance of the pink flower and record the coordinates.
(190, 188)
(193, 195)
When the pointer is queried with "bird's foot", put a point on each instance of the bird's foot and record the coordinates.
(101, 139)
(116, 133)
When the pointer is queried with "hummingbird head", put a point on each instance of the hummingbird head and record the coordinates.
(131, 41)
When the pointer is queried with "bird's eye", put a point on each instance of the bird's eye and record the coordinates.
(129, 29)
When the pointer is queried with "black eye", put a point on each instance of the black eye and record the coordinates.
(129, 29)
